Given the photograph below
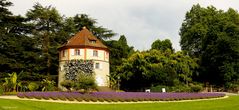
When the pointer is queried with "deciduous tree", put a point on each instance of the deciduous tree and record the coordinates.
(212, 36)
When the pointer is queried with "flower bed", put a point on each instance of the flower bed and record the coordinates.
(117, 96)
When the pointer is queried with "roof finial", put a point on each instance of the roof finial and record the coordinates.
(83, 27)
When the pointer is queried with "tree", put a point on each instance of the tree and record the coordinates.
(4, 11)
(212, 36)
(17, 51)
(46, 23)
(162, 45)
(5, 16)
(83, 20)
(119, 50)
(155, 67)
(133, 72)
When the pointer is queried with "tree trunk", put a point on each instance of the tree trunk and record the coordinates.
(46, 46)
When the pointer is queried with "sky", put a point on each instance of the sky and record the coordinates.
(141, 21)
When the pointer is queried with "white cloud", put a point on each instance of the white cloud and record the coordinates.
(141, 21)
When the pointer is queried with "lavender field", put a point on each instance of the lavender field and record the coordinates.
(117, 96)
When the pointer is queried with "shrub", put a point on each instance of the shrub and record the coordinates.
(28, 95)
(23, 86)
(181, 88)
(1, 90)
(121, 100)
(62, 97)
(93, 99)
(158, 88)
(33, 86)
(48, 85)
(100, 99)
(20, 95)
(114, 99)
(134, 100)
(70, 98)
(140, 99)
(232, 87)
(79, 99)
(46, 96)
(54, 97)
(67, 84)
(86, 99)
(37, 97)
(196, 87)
(108, 100)
(86, 82)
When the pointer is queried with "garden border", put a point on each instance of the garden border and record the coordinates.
(105, 102)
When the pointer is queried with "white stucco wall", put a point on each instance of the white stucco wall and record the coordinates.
(86, 53)
(101, 74)
(73, 56)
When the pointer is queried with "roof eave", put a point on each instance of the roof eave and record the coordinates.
(81, 46)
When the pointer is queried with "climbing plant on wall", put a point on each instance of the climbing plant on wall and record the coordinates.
(74, 67)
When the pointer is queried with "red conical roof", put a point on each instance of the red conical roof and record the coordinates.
(83, 39)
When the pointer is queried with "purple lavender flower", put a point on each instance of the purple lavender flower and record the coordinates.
(118, 96)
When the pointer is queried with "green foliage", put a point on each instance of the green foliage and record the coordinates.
(118, 51)
(13, 79)
(68, 84)
(162, 45)
(30, 43)
(196, 87)
(11, 82)
(46, 22)
(144, 69)
(79, 75)
(85, 82)
(1, 90)
(23, 86)
(7, 85)
(178, 88)
(158, 88)
(181, 88)
(81, 20)
(32, 86)
(232, 87)
(48, 85)
(14, 42)
(212, 36)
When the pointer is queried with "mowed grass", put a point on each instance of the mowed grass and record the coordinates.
(231, 103)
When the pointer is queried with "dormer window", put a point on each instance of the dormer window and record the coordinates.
(93, 41)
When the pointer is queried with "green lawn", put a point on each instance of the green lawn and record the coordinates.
(231, 103)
